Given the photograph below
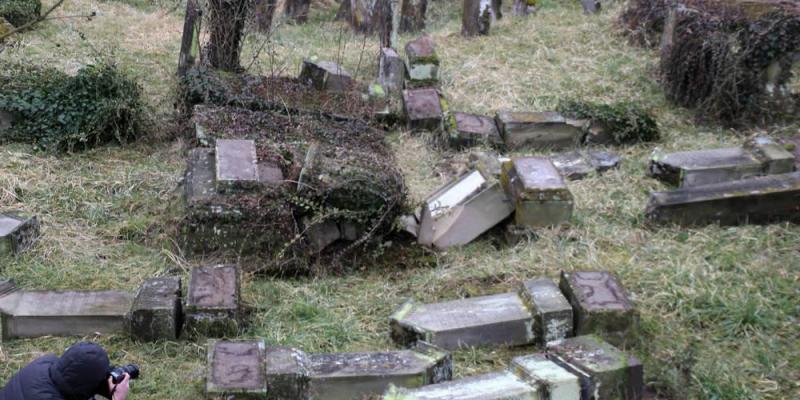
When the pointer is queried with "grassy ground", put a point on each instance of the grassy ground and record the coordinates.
(719, 305)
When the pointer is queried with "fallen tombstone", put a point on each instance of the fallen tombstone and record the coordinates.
(423, 109)
(755, 200)
(539, 193)
(591, 6)
(556, 383)
(474, 130)
(576, 165)
(605, 372)
(326, 75)
(532, 314)
(17, 233)
(792, 145)
(236, 164)
(236, 369)
(758, 157)
(212, 306)
(601, 306)
(422, 63)
(156, 312)
(391, 70)
(287, 373)
(462, 210)
(539, 130)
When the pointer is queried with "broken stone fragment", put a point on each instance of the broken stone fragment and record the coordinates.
(551, 310)
(605, 371)
(391, 70)
(326, 75)
(422, 62)
(488, 163)
(554, 382)
(591, 6)
(287, 375)
(755, 200)
(514, 235)
(235, 162)
(212, 303)
(17, 233)
(423, 109)
(539, 130)
(579, 164)
(474, 130)
(601, 306)
(236, 369)
(156, 312)
(409, 223)
(539, 193)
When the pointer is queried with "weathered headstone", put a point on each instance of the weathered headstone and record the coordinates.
(391, 70)
(538, 130)
(756, 200)
(605, 371)
(69, 313)
(156, 312)
(601, 306)
(591, 6)
(17, 233)
(555, 382)
(326, 75)
(236, 164)
(236, 369)
(775, 158)
(576, 165)
(212, 302)
(287, 373)
(422, 63)
(540, 196)
(423, 108)
(551, 310)
(792, 145)
(472, 130)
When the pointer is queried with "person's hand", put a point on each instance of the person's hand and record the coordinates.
(119, 391)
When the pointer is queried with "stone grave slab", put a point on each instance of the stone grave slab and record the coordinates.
(540, 195)
(391, 70)
(792, 145)
(156, 312)
(28, 314)
(756, 200)
(348, 376)
(551, 310)
(236, 369)
(555, 382)
(504, 385)
(17, 233)
(775, 158)
(605, 371)
(474, 130)
(422, 62)
(576, 165)
(287, 374)
(538, 130)
(601, 305)
(236, 164)
(326, 75)
(212, 302)
(423, 109)
(501, 319)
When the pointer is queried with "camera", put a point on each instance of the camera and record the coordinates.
(117, 374)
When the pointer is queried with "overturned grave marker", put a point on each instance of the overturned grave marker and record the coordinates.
(236, 368)
(756, 200)
(326, 75)
(472, 130)
(423, 108)
(287, 373)
(552, 313)
(540, 195)
(792, 145)
(212, 302)
(392, 70)
(422, 62)
(17, 233)
(576, 165)
(156, 312)
(539, 130)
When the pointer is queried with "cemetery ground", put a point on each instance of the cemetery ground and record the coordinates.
(719, 305)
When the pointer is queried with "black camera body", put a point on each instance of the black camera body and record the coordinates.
(117, 374)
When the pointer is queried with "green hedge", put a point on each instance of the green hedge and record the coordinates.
(20, 12)
(627, 122)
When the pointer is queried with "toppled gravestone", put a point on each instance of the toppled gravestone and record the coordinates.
(605, 372)
(391, 70)
(326, 75)
(212, 306)
(755, 200)
(474, 130)
(792, 145)
(531, 377)
(423, 109)
(422, 63)
(250, 369)
(540, 195)
(462, 210)
(536, 313)
(539, 130)
(579, 164)
(760, 156)
(156, 312)
(236, 163)
(601, 306)
(17, 232)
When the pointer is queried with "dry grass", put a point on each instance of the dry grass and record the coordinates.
(719, 305)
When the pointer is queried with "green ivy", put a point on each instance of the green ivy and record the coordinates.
(57, 111)
(627, 122)
(20, 12)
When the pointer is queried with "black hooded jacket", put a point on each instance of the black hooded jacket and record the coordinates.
(79, 374)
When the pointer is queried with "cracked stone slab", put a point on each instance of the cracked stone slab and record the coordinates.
(540, 195)
(552, 311)
(423, 109)
(539, 130)
(576, 165)
(326, 75)
(156, 312)
(474, 130)
(212, 302)
(17, 232)
(236, 369)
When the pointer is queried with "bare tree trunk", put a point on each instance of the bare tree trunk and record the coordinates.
(345, 11)
(190, 42)
(497, 9)
(297, 10)
(476, 17)
(226, 22)
(264, 13)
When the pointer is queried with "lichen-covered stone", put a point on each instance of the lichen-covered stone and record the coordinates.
(551, 310)
(287, 374)
(774, 157)
(17, 232)
(422, 62)
(538, 130)
(540, 195)
(212, 302)
(555, 382)
(156, 312)
(236, 369)
(474, 130)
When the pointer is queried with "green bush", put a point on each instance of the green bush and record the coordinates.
(627, 122)
(20, 12)
(57, 111)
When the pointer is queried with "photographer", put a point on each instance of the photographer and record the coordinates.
(80, 373)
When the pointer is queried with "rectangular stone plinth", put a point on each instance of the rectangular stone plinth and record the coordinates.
(551, 310)
(503, 385)
(391, 70)
(236, 164)
(236, 369)
(576, 165)
(501, 319)
(287, 373)
(774, 157)
(423, 109)
(422, 62)
(17, 233)
(326, 75)
(554, 382)
(52, 313)
(605, 371)
(792, 145)
(212, 302)
(539, 193)
(601, 305)
(156, 312)
(348, 376)
(538, 130)
(475, 130)
(756, 200)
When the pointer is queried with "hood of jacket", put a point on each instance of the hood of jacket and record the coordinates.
(80, 371)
